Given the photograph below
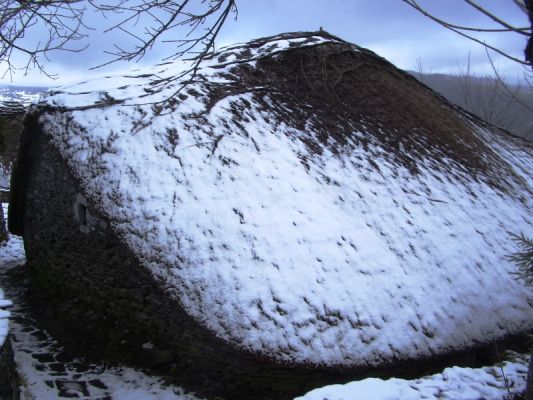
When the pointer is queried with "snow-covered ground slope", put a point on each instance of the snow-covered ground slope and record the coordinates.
(497, 382)
(305, 200)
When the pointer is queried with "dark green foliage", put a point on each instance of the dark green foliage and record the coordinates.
(523, 258)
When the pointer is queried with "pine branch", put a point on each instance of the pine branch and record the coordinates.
(523, 258)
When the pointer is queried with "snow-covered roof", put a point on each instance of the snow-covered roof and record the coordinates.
(305, 200)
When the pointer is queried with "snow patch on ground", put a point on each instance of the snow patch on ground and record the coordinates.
(490, 383)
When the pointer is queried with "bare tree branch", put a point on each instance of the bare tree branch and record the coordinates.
(497, 19)
(512, 94)
(62, 19)
(147, 22)
(461, 30)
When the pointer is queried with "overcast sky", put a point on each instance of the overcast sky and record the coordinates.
(389, 27)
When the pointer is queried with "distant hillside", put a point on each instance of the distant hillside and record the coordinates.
(14, 98)
(509, 107)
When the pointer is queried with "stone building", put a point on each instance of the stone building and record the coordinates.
(297, 212)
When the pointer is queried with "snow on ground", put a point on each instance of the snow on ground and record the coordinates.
(452, 384)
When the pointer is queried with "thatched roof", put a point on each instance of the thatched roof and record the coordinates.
(307, 201)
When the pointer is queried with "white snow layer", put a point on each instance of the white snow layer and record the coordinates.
(339, 263)
(494, 383)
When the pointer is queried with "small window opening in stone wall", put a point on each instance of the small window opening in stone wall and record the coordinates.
(82, 214)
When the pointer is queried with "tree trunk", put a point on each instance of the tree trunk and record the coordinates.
(529, 382)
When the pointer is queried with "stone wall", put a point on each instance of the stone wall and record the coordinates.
(8, 376)
(118, 311)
